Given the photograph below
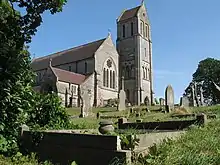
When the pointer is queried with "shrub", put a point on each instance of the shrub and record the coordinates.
(48, 112)
(112, 102)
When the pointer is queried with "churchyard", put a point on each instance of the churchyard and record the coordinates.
(120, 146)
(124, 134)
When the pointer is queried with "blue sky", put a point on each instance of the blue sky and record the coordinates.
(184, 32)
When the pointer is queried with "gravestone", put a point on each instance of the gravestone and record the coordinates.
(169, 98)
(122, 97)
(86, 108)
(162, 102)
(184, 102)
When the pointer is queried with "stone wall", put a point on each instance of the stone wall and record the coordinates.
(164, 125)
(84, 149)
(62, 87)
(106, 51)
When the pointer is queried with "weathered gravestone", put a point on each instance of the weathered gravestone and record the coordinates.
(169, 98)
(184, 102)
(86, 108)
(162, 102)
(122, 97)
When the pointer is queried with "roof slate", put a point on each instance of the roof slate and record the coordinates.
(67, 56)
(129, 13)
(69, 77)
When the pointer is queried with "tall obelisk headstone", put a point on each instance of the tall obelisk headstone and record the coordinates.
(122, 97)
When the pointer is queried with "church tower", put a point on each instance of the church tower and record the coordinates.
(135, 54)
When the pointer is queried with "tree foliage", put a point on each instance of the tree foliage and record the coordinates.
(208, 71)
(17, 97)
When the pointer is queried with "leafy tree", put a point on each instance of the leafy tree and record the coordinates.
(208, 71)
(16, 77)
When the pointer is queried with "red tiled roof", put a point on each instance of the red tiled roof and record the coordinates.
(129, 13)
(69, 77)
(67, 56)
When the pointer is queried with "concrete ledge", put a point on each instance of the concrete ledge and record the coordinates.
(165, 125)
(63, 148)
(77, 140)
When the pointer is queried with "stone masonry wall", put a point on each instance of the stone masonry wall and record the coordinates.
(106, 51)
(84, 149)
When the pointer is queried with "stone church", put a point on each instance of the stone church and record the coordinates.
(98, 67)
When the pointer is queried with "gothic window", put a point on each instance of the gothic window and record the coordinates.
(109, 74)
(104, 77)
(86, 69)
(107, 79)
(145, 52)
(141, 27)
(74, 91)
(147, 31)
(70, 69)
(111, 79)
(123, 31)
(132, 28)
(113, 75)
(146, 73)
(143, 72)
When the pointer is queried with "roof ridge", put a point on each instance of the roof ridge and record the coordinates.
(70, 49)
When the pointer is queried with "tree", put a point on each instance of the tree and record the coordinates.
(16, 77)
(208, 71)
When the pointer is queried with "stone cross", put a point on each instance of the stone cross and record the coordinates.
(122, 97)
(169, 98)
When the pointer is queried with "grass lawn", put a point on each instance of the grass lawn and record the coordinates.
(93, 123)
(199, 146)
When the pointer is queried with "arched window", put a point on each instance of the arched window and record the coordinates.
(107, 79)
(146, 73)
(109, 76)
(104, 77)
(113, 75)
(111, 79)
(147, 31)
